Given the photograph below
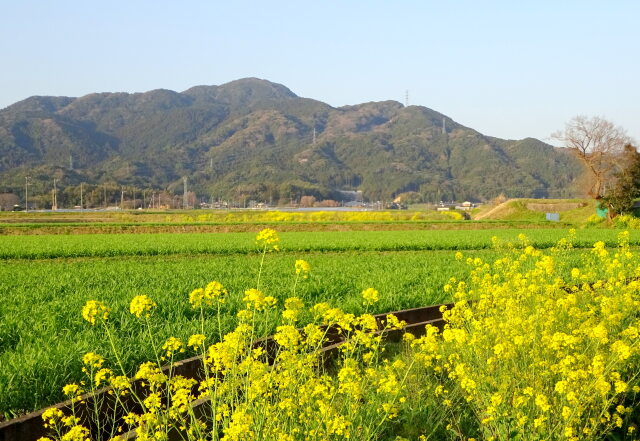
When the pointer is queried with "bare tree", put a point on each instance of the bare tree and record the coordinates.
(307, 201)
(599, 144)
(8, 201)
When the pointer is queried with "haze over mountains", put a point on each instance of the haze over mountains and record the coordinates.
(255, 139)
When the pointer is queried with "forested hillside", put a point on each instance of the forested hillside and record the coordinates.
(253, 139)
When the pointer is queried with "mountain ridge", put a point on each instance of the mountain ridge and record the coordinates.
(251, 138)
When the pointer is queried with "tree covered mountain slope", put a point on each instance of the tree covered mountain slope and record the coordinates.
(255, 139)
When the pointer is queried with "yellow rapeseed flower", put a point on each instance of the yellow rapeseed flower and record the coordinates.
(92, 359)
(141, 306)
(255, 299)
(172, 346)
(51, 416)
(292, 308)
(71, 390)
(303, 268)
(102, 376)
(370, 296)
(120, 382)
(95, 309)
(76, 433)
(196, 341)
(213, 293)
(268, 239)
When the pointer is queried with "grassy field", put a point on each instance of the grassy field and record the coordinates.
(111, 245)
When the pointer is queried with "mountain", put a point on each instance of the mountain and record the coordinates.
(253, 139)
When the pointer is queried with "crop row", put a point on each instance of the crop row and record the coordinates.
(235, 216)
(110, 245)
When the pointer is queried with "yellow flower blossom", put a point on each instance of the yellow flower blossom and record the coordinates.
(141, 306)
(93, 360)
(95, 309)
(370, 296)
(303, 268)
(72, 390)
(196, 341)
(213, 293)
(172, 346)
(268, 239)
(255, 299)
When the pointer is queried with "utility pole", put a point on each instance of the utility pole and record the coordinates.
(314, 136)
(81, 204)
(55, 195)
(185, 202)
(105, 195)
(122, 198)
(26, 193)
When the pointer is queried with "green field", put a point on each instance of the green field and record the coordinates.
(111, 245)
(45, 281)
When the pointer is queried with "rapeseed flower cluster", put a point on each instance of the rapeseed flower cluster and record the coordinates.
(535, 348)
(370, 296)
(213, 293)
(141, 306)
(303, 268)
(268, 239)
(95, 309)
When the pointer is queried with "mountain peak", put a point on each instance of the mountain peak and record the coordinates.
(260, 86)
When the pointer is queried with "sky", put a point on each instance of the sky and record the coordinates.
(510, 69)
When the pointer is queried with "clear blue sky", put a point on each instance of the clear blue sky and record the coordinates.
(507, 69)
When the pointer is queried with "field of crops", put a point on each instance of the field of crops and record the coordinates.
(224, 216)
(195, 221)
(110, 245)
(47, 279)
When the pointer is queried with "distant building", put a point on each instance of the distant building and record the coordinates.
(350, 195)
(465, 206)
